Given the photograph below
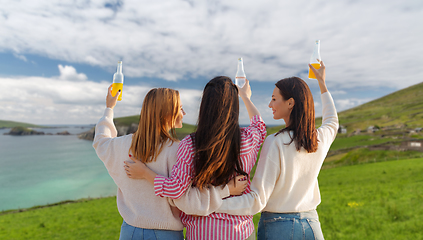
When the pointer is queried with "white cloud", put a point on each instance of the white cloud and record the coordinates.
(344, 104)
(21, 57)
(69, 73)
(363, 43)
(42, 100)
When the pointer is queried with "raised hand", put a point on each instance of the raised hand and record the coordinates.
(320, 75)
(111, 100)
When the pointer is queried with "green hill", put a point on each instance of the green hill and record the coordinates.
(401, 109)
(11, 124)
(127, 121)
(394, 118)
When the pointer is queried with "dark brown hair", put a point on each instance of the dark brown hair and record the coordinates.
(158, 115)
(217, 139)
(302, 119)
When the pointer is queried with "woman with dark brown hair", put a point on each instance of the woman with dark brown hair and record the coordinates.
(217, 152)
(285, 186)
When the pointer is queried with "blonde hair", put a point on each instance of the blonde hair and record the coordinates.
(158, 115)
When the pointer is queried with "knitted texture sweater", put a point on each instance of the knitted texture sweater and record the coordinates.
(136, 202)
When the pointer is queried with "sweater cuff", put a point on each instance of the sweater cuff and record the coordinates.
(326, 95)
(108, 113)
(158, 185)
(225, 192)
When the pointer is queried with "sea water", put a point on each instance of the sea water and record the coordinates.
(45, 169)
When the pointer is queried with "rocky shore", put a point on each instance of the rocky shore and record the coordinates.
(23, 131)
(122, 130)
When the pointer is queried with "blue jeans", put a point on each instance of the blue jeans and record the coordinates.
(128, 232)
(293, 226)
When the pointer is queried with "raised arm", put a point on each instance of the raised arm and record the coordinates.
(245, 94)
(105, 132)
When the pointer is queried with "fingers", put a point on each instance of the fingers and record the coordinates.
(240, 177)
(322, 64)
(246, 82)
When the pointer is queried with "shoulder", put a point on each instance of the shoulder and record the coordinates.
(171, 146)
(186, 145)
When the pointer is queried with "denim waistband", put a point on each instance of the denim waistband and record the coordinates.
(312, 214)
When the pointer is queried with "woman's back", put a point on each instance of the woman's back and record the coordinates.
(224, 226)
(136, 201)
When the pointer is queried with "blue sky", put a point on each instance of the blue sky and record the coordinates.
(57, 58)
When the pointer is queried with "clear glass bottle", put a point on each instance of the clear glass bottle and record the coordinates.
(118, 81)
(314, 60)
(240, 74)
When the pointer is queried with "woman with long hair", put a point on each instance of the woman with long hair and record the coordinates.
(155, 144)
(285, 186)
(217, 152)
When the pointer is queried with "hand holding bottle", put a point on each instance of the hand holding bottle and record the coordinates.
(245, 94)
(320, 75)
(245, 91)
(110, 99)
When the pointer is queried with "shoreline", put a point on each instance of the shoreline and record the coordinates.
(12, 211)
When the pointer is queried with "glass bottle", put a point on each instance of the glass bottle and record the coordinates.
(314, 60)
(240, 74)
(118, 81)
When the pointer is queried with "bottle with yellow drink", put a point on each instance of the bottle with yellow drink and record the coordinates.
(314, 60)
(118, 81)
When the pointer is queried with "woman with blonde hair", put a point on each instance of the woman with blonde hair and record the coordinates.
(145, 216)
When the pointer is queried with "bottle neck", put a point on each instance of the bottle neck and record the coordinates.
(119, 67)
(240, 65)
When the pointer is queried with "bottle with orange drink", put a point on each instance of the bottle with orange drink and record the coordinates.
(118, 81)
(314, 60)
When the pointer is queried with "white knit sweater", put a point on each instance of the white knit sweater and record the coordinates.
(286, 179)
(136, 201)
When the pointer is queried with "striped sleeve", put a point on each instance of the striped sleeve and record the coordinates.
(254, 134)
(180, 179)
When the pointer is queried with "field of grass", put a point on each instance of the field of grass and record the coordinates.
(371, 201)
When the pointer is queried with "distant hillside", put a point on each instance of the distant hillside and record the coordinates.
(388, 128)
(131, 120)
(11, 124)
(401, 109)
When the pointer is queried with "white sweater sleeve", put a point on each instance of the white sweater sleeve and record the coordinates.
(265, 177)
(105, 133)
(201, 202)
(330, 123)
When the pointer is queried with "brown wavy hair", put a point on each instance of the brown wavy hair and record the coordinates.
(217, 139)
(158, 115)
(302, 118)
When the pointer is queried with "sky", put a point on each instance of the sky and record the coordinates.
(57, 57)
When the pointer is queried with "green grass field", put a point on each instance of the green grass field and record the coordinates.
(371, 201)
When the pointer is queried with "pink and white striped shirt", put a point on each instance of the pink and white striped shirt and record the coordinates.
(215, 225)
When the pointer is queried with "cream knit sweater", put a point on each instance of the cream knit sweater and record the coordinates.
(286, 179)
(136, 202)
